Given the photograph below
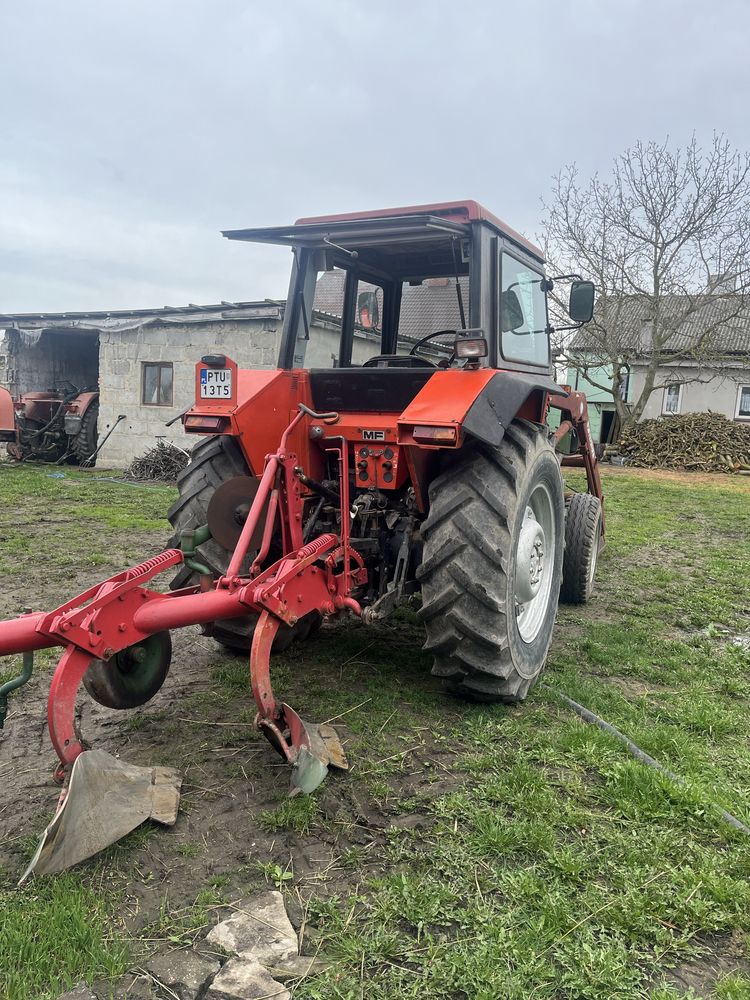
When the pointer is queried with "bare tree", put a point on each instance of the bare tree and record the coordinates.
(665, 239)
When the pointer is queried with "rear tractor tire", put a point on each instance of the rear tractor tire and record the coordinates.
(83, 445)
(492, 565)
(133, 676)
(213, 461)
(583, 528)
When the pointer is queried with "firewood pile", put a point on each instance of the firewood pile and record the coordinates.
(701, 442)
(163, 463)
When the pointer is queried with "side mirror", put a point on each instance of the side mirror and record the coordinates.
(511, 313)
(368, 310)
(581, 303)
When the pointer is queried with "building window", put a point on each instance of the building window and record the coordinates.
(672, 400)
(743, 403)
(156, 383)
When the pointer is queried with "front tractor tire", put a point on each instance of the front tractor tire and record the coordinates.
(492, 565)
(583, 529)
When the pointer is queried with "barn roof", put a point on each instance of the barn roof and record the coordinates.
(720, 323)
(125, 319)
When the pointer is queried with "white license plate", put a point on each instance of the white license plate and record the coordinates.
(216, 383)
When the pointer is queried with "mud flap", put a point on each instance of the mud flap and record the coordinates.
(106, 799)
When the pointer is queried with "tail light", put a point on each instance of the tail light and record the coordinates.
(199, 423)
(434, 435)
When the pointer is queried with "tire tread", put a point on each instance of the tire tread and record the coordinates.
(465, 563)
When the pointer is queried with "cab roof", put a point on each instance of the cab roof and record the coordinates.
(415, 222)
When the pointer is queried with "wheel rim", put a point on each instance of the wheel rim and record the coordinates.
(535, 563)
(142, 665)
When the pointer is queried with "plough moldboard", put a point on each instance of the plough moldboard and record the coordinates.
(114, 622)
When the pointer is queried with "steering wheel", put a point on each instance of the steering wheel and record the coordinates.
(432, 336)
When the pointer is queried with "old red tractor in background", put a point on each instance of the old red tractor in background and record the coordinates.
(51, 426)
(402, 446)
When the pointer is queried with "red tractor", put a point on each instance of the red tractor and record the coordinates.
(51, 426)
(402, 446)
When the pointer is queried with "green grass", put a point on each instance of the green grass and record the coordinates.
(561, 866)
(548, 862)
(88, 523)
(53, 934)
(295, 814)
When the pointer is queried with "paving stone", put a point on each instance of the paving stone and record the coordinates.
(259, 929)
(185, 972)
(246, 979)
(131, 986)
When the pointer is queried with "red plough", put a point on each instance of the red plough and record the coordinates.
(121, 613)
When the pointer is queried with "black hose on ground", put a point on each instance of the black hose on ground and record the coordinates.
(641, 755)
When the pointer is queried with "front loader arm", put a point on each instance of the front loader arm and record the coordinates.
(576, 417)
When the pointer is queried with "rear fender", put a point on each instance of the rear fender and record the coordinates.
(75, 411)
(82, 403)
(507, 396)
(7, 416)
(480, 404)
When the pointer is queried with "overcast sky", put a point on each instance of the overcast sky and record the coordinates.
(131, 133)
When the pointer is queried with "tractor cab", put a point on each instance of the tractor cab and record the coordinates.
(411, 289)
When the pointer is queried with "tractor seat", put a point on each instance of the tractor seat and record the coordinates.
(397, 361)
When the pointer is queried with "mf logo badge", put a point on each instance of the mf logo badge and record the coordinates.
(373, 435)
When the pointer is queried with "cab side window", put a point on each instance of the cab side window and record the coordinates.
(523, 314)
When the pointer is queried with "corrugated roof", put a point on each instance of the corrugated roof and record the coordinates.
(708, 322)
(128, 319)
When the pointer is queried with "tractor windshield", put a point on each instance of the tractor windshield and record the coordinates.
(426, 307)
(429, 307)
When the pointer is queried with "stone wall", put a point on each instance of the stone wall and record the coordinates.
(251, 343)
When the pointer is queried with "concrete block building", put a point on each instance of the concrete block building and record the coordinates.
(143, 362)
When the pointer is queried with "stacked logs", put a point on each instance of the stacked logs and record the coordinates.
(702, 442)
(163, 463)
